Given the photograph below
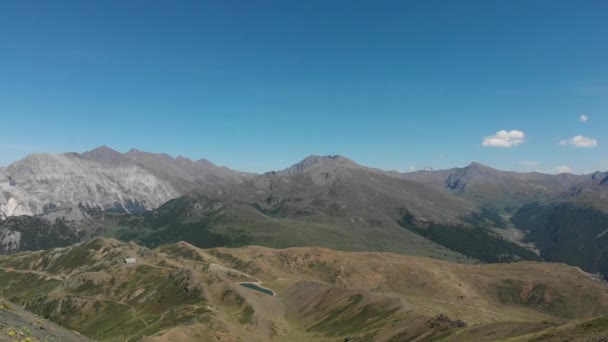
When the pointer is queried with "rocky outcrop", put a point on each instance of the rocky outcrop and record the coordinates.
(443, 322)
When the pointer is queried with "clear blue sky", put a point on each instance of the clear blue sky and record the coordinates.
(258, 85)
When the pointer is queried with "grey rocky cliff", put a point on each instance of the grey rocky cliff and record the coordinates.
(103, 179)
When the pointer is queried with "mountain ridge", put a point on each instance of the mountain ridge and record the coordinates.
(106, 149)
(504, 190)
(329, 201)
(102, 178)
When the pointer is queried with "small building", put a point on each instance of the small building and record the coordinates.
(130, 260)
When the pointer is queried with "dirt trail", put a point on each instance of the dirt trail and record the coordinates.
(44, 274)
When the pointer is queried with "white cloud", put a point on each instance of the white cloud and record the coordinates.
(412, 168)
(579, 141)
(584, 118)
(504, 139)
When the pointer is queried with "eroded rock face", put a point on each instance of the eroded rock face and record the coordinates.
(104, 179)
(38, 182)
(13, 208)
(10, 241)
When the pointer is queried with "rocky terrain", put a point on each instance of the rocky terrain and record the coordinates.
(104, 179)
(17, 324)
(40, 183)
(180, 292)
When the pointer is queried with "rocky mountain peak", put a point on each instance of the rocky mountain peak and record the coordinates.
(138, 155)
(461, 177)
(105, 179)
(103, 154)
(102, 178)
(205, 163)
(104, 149)
(479, 168)
(326, 162)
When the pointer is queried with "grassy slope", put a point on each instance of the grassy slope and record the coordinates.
(567, 233)
(595, 329)
(89, 289)
(476, 240)
(183, 292)
(207, 222)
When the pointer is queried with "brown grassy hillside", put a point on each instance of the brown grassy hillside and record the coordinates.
(179, 292)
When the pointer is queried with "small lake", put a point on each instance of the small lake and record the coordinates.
(257, 288)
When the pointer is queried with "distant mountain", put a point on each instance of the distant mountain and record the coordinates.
(321, 165)
(39, 183)
(564, 216)
(104, 179)
(503, 190)
(571, 227)
(184, 174)
(330, 202)
(178, 292)
(593, 192)
(49, 200)
(339, 184)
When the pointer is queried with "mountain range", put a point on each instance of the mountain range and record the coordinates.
(324, 250)
(503, 190)
(470, 214)
(104, 179)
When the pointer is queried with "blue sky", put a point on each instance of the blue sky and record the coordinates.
(258, 85)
